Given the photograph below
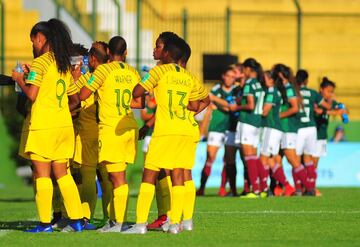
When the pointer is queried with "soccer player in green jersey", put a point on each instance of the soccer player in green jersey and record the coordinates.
(231, 147)
(327, 88)
(272, 134)
(307, 133)
(248, 128)
(284, 81)
(219, 124)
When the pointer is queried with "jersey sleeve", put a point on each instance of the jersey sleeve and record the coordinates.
(214, 89)
(150, 110)
(151, 79)
(198, 91)
(203, 93)
(72, 89)
(82, 80)
(247, 89)
(317, 97)
(335, 104)
(96, 79)
(269, 97)
(290, 92)
(36, 73)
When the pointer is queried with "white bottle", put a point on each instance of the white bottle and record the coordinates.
(18, 68)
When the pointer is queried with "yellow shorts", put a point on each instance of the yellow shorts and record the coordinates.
(190, 162)
(86, 151)
(170, 152)
(51, 144)
(24, 137)
(116, 167)
(118, 146)
(42, 159)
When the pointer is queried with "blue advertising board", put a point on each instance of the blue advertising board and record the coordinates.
(341, 166)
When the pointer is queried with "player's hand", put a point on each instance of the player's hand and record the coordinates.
(151, 103)
(17, 76)
(213, 106)
(233, 107)
(26, 68)
(76, 72)
(142, 132)
(342, 111)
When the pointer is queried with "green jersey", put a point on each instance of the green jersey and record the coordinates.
(220, 119)
(310, 98)
(253, 87)
(234, 116)
(322, 122)
(150, 111)
(289, 124)
(272, 120)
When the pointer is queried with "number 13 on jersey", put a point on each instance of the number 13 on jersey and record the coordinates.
(176, 104)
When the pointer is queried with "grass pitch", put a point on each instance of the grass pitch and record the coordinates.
(330, 220)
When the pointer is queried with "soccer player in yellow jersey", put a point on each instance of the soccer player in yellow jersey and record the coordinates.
(50, 141)
(118, 132)
(176, 90)
(87, 132)
(190, 190)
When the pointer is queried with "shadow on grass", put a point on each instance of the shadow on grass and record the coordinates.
(17, 225)
(16, 200)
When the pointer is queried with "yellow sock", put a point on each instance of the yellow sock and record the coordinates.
(57, 199)
(120, 202)
(88, 190)
(143, 205)
(189, 201)
(106, 188)
(177, 204)
(71, 197)
(43, 198)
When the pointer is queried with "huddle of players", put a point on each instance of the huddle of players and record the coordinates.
(280, 112)
(97, 106)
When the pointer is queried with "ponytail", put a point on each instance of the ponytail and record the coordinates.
(58, 38)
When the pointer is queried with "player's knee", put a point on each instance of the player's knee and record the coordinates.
(187, 175)
(117, 179)
(177, 177)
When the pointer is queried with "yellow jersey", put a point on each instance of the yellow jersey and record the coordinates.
(173, 88)
(87, 122)
(114, 83)
(194, 124)
(51, 108)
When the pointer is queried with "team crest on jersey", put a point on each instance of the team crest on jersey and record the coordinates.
(91, 80)
(31, 76)
(145, 78)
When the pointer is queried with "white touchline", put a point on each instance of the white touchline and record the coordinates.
(272, 212)
(278, 212)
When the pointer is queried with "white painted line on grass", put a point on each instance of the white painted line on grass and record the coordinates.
(279, 212)
(272, 212)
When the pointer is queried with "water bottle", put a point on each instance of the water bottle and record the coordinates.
(145, 68)
(19, 69)
(345, 116)
(85, 65)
